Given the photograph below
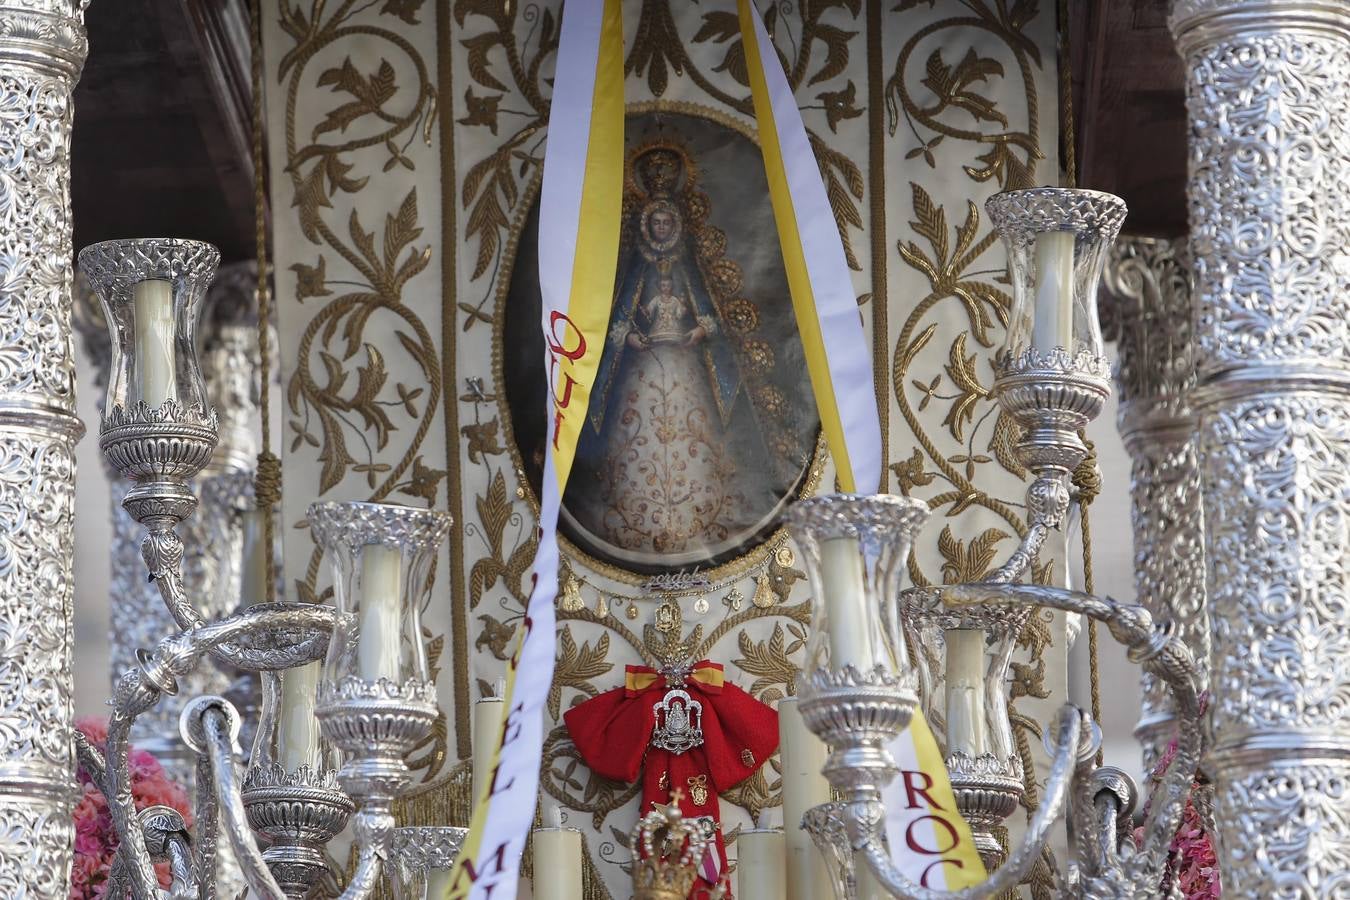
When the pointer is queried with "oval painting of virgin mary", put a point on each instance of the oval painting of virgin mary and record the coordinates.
(701, 426)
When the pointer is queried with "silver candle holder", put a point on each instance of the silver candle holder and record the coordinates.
(1052, 379)
(159, 430)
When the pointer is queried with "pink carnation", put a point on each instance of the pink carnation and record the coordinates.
(1191, 862)
(95, 838)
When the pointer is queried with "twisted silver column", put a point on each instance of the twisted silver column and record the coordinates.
(1269, 191)
(1149, 316)
(42, 48)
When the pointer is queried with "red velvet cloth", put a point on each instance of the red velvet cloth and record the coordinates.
(613, 733)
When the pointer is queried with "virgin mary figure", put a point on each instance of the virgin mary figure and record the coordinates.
(677, 462)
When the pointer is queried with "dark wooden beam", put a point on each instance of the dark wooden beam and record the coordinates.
(1130, 113)
(161, 139)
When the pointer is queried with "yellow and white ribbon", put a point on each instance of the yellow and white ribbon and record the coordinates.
(929, 840)
(580, 207)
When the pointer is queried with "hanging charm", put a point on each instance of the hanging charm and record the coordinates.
(679, 722)
(569, 598)
(668, 618)
(698, 789)
(764, 596)
(701, 605)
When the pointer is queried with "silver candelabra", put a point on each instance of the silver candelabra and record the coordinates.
(859, 695)
(343, 682)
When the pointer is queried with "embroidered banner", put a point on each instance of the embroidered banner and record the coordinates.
(930, 841)
(405, 378)
(579, 226)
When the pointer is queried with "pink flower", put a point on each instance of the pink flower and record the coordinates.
(1191, 862)
(95, 838)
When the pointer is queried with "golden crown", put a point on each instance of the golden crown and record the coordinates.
(668, 850)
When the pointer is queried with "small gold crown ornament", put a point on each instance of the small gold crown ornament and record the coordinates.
(670, 848)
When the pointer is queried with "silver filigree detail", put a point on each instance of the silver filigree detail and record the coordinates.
(428, 847)
(1149, 288)
(872, 519)
(42, 48)
(1058, 361)
(170, 441)
(1269, 196)
(354, 524)
(119, 265)
(274, 775)
(1026, 213)
(679, 722)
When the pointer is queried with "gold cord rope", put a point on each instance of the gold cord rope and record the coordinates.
(1087, 478)
(267, 480)
(1066, 123)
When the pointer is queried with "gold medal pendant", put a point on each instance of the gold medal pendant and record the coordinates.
(698, 789)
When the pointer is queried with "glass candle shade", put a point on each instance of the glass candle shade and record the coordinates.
(158, 427)
(854, 549)
(963, 660)
(423, 861)
(1057, 241)
(380, 556)
(288, 739)
(151, 290)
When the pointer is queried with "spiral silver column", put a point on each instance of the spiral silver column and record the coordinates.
(1147, 311)
(1269, 107)
(42, 49)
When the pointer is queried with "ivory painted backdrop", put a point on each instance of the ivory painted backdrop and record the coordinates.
(405, 142)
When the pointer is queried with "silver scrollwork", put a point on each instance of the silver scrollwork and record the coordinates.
(1269, 196)
(42, 49)
(1149, 283)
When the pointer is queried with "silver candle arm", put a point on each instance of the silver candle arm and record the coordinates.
(1074, 748)
(1102, 864)
(1106, 863)
(1051, 382)
(160, 448)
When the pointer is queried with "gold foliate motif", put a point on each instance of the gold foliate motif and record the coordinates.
(964, 108)
(363, 372)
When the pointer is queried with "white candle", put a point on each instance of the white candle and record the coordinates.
(152, 305)
(253, 561)
(487, 727)
(298, 728)
(381, 619)
(557, 860)
(802, 755)
(965, 691)
(760, 870)
(1053, 325)
(841, 571)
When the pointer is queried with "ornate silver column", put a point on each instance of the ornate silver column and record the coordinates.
(1269, 106)
(42, 48)
(1149, 317)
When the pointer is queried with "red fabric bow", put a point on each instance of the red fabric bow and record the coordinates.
(613, 734)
